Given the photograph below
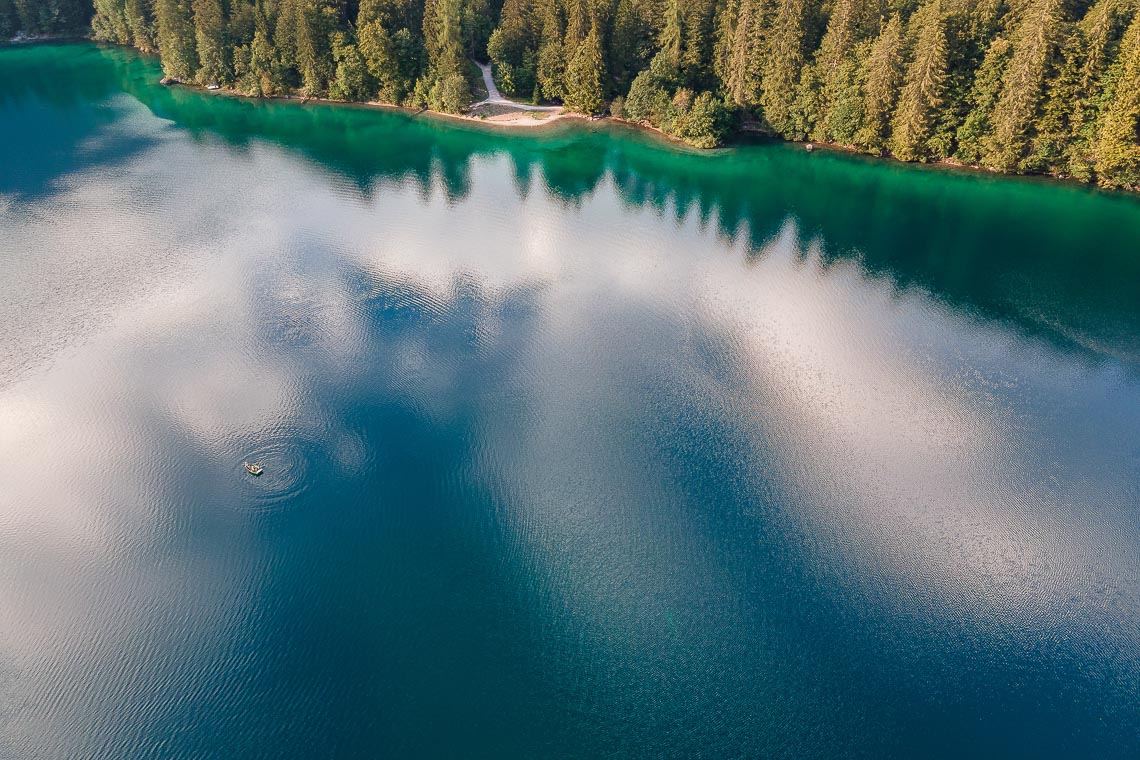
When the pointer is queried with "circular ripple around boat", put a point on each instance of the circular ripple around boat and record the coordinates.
(284, 476)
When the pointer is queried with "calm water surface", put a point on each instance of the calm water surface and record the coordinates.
(574, 444)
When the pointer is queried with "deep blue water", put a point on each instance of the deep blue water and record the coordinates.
(575, 445)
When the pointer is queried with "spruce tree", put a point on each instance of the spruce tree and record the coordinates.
(784, 59)
(584, 76)
(176, 39)
(836, 69)
(1017, 109)
(1076, 96)
(1118, 141)
(210, 36)
(551, 57)
(982, 99)
(140, 21)
(923, 90)
(742, 79)
(882, 76)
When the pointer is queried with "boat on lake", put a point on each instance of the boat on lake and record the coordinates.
(252, 469)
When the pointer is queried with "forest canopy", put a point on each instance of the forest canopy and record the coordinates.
(1027, 86)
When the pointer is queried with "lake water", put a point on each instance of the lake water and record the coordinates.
(575, 444)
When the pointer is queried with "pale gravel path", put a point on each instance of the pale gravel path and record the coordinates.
(494, 97)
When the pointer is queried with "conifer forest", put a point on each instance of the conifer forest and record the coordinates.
(1017, 86)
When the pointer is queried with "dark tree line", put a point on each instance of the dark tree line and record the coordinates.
(1049, 86)
(44, 17)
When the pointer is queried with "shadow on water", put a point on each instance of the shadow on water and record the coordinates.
(408, 616)
(37, 146)
(432, 589)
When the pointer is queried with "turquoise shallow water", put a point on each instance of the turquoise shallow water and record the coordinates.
(575, 444)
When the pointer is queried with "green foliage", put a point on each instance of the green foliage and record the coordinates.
(839, 105)
(1018, 107)
(176, 39)
(256, 64)
(1016, 85)
(783, 65)
(1118, 141)
(513, 49)
(210, 36)
(109, 23)
(982, 99)
(657, 98)
(924, 88)
(705, 124)
(352, 80)
(744, 59)
(45, 17)
(881, 77)
(584, 77)
(551, 65)
(393, 60)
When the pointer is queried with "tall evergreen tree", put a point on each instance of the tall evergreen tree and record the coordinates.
(551, 69)
(745, 61)
(109, 24)
(838, 70)
(923, 90)
(1018, 107)
(210, 36)
(783, 63)
(982, 98)
(882, 76)
(1118, 142)
(140, 21)
(584, 76)
(176, 39)
(631, 41)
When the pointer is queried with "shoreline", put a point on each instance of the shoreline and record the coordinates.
(527, 120)
(514, 120)
(522, 120)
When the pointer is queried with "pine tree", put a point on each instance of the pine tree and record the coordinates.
(837, 70)
(351, 80)
(263, 75)
(882, 75)
(551, 57)
(141, 24)
(1118, 141)
(631, 45)
(444, 87)
(982, 99)
(1067, 134)
(209, 34)
(308, 51)
(109, 23)
(923, 90)
(584, 76)
(742, 79)
(176, 39)
(782, 66)
(673, 33)
(697, 49)
(1017, 109)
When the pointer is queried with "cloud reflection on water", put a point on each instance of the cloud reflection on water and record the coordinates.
(610, 365)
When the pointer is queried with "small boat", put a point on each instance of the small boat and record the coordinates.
(214, 87)
(252, 469)
(809, 147)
